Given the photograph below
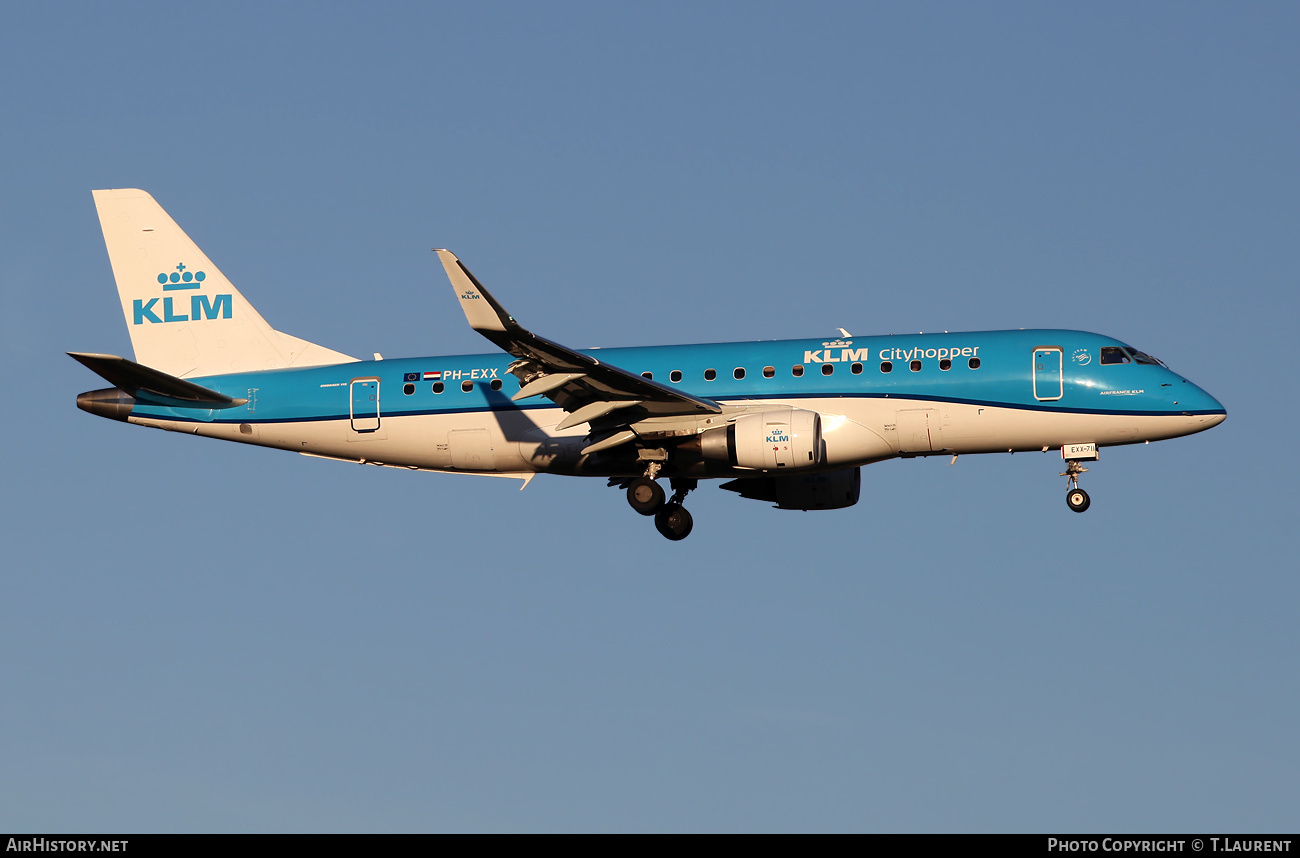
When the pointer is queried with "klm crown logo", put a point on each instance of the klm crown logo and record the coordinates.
(181, 279)
(219, 307)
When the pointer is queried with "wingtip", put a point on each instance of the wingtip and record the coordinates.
(83, 357)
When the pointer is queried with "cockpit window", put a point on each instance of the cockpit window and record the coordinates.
(1111, 354)
(1143, 357)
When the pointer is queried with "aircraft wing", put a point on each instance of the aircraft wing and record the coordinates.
(590, 390)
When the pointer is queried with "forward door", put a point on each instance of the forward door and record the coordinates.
(1048, 383)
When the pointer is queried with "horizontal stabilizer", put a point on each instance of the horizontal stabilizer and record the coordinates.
(151, 385)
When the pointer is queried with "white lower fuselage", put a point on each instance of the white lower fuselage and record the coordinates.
(855, 432)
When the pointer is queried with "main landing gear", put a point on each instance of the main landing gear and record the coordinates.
(647, 497)
(674, 521)
(1076, 498)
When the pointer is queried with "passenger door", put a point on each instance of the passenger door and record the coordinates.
(1048, 383)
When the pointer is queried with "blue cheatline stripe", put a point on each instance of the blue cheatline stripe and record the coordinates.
(775, 400)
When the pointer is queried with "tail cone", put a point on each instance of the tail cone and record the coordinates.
(111, 402)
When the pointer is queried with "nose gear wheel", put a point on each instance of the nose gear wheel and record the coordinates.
(1076, 498)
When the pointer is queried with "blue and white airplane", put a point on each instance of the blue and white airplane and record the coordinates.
(790, 422)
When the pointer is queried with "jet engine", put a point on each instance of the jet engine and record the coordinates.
(826, 490)
(767, 441)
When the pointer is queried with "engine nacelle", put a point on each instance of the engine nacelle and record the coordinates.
(783, 438)
(826, 490)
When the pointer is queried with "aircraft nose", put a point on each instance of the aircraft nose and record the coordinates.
(1207, 410)
(1214, 419)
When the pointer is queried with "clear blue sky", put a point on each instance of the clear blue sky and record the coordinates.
(205, 637)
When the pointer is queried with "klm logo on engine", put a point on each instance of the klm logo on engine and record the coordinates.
(173, 307)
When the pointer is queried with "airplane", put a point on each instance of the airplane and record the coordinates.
(789, 422)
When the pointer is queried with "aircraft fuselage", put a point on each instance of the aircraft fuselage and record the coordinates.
(878, 396)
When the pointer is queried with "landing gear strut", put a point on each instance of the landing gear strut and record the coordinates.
(646, 496)
(1076, 498)
(672, 519)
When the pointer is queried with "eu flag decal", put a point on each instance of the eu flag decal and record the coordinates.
(411, 376)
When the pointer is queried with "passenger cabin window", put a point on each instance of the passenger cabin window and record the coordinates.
(738, 373)
(915, 366)
(437, 387)
(467, 386)
(496, 384)
(945, 364)
(828, 368)
(675, 376)
(796, 370)
(710, 374)
(856, 369)
(973, 363)
(1111, 354)
(886, 366)
(649, 375)
(408, 388)
(769, 371)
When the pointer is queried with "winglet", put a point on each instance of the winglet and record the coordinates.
(481, 310)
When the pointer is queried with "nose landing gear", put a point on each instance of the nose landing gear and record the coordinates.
(1076, 498)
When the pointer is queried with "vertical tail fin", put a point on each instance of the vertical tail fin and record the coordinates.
(185, 318)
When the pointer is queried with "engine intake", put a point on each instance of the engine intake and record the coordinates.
(783, 438)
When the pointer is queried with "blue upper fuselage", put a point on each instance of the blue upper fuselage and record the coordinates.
(1051, 370)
